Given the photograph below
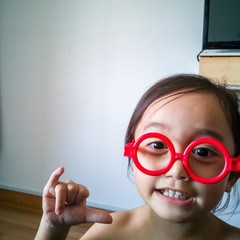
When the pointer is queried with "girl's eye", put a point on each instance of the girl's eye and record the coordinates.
(158, 145)
(153, 146)
(203, 153)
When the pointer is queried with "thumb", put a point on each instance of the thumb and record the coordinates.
(99, 216)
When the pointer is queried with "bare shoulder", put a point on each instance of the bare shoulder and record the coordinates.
(121, 225)
(229, 232)
(232, 233)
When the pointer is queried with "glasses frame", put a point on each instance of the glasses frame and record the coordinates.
(231, 163)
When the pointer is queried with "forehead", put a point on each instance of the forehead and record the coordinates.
(184, 111)
(179, 102)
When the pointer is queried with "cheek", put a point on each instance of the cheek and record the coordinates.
(145, 184)
(211, 194)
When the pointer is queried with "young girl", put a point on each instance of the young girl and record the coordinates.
(182, 142)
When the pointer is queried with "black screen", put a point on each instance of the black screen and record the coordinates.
(221, 24)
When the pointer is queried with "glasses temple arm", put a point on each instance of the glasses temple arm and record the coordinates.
(128, 149)
(235, 166)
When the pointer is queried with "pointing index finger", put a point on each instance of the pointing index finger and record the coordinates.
(54, 178)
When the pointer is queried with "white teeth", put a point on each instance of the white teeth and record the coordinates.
(173, 194)
(166, 193)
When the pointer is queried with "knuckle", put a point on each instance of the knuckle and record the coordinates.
(69, 182)
(72, 187)
(60, 187)
(83, 191)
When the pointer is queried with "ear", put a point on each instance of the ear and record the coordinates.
(234, 176)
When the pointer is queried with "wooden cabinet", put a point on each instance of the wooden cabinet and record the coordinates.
(225, 68)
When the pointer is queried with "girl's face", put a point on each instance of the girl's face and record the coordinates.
(183, 118)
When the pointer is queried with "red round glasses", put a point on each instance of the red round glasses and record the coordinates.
(205, 160)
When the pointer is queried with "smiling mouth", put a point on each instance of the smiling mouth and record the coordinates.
(174, 194)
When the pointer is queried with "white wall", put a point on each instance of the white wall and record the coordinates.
(71, 75)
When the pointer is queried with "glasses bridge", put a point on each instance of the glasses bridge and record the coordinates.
(179, 156)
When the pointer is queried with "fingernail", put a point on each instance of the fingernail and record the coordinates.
(58, 212)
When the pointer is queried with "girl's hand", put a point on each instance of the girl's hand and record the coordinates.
(64, 203)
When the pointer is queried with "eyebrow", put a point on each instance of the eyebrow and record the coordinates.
(210, 133)
(156, 125)
(198, 132)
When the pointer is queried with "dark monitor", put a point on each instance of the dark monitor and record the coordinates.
(221, 27)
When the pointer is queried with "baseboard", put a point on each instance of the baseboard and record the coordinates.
(22, 190)
(19, 200)
(33, 203)
(105, 207)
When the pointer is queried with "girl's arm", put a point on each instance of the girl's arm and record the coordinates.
(64, 205)
(46, 232)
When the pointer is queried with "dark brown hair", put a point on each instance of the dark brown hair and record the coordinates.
(187, 83)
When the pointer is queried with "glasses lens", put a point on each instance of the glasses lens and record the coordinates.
(206, 160)
(153, 154)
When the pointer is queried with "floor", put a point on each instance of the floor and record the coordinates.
(18, 224)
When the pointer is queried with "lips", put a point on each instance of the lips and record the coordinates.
(175, 197)
(175, 194)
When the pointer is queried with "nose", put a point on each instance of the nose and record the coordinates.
(177, 171)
